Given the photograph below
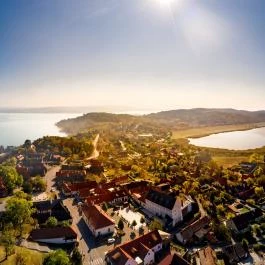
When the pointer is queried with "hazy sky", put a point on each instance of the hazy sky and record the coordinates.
(156, 54)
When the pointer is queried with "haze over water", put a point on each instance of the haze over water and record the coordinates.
(15, 128)
(238, 140)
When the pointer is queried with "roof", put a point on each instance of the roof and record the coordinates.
(96, 217)
(242, 221)
(48, 208)
(174, 259)
(161, 198)
(207, 256)
(234, 252)
(135, 249)
(53, 232)
(188, 232)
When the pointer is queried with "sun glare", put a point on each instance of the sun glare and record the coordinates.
(165, 2)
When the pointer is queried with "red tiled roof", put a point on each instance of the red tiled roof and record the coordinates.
(207, 256)
(96, 216)
(188, 231)
(138, 247)
(174, 259)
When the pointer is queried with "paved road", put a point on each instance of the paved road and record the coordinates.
(92, 254)
(50, 177)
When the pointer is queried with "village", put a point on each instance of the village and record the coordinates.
(140, 199)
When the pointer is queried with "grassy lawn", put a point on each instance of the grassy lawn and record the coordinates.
(32, 257)
(229, 161)
(205, 131)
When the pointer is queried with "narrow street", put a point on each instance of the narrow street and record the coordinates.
(50, 177)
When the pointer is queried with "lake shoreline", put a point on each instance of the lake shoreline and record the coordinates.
(200, 132)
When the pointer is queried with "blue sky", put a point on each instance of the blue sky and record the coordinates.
(156, 54)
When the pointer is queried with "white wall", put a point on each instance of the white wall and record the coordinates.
(56, 240)
(149, 258)
(105, 230)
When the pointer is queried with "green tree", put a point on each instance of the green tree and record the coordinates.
(104, 206)
(10, 177)
(51, 222)
(245, 244)
(142, 220)
(19, 211)
(76, 257)
(221, 232)
(120, 224)
(58, 257)
(134, 223)
(259, 191)
(27, 187)
(8, 242)
(155, 224)
(38, 183)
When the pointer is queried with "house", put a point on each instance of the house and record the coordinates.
(55, 208)
(240, 223)
(54, 235)
(164, 204)
(70, 189)
(234, 253)
(98, 222)
(207, 256)
(69, 175)
(174, 259)
(196, 229)
(141, 250)
(111, 196)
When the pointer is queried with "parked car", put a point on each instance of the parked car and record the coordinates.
(111, 240)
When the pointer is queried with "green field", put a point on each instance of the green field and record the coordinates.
(229, 161)
(31, 257)
(205, 131)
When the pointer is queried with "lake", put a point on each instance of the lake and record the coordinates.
(15, 128)
(238, 140)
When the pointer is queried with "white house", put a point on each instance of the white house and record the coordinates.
(98, 222)
(162, 204)
(54, 235)
(138, 251)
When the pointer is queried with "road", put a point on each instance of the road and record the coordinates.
(92, 254)
(95, 152)
(50, 177)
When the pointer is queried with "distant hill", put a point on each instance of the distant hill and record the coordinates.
(209, 117)
(173, 119)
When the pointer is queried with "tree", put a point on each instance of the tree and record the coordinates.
(221, 232)
(51, 222)
(10, 177)
(245, 244)
(259, 191)
(39, 183)
(120, 224)
(19, 211)
(142, 220)
(104, 206)
(76, 257)
(27, 187)
(58, 257)
(134, 223)
(8, 241)
(155, 224)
